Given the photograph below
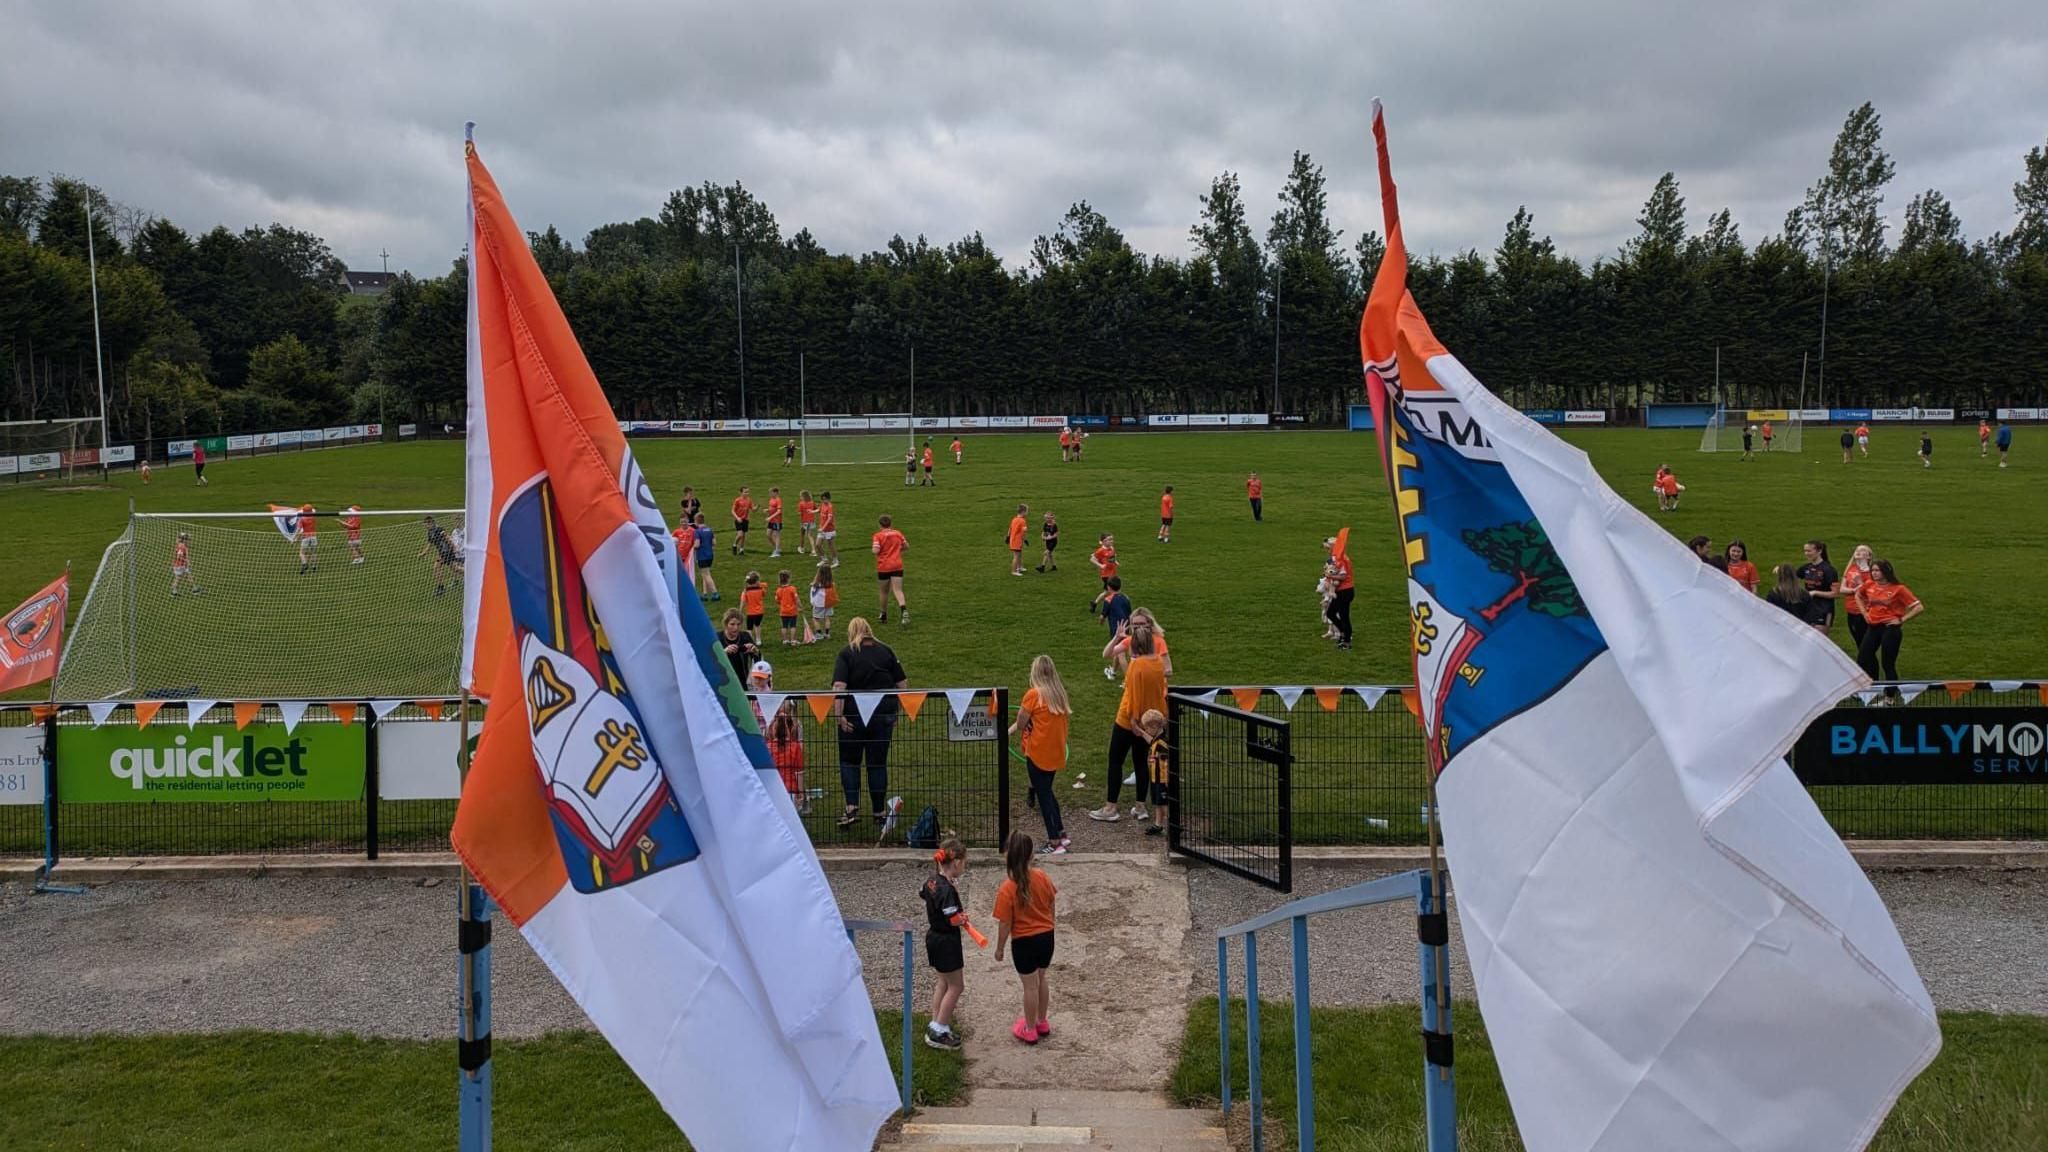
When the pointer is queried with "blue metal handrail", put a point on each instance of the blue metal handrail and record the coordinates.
(905, 929)
(1439, 1087)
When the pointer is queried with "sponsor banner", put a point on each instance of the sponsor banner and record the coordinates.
(1128, 421)
(718, 425)
(286, 439)
(376, 431)
(1009, 422)
(1048, 421)
(689, 425)
(1247, 419)
(858, 422)
(419, 760)
(1545, 415)
(929, 422)
(309, 436)
(329, 434)
(1579, 416)
(1208, 420)
(210, 763)
(120, 454)
(40, 461)
(21, 765)
(1972, 414)
(214, 444)
(82, 457)
(1289, 418)
(635, 427)
(1089, 421)
(357, 431)
(1776, 415)
(266, 440)
(1848, 415)
(976, 725)
(2019, 413)
(405, 430)
(1814, 415)
(901, 422)
(179, 448)
(1941, 414)
(1166, 420)
(1891, 414)
(9, 465)
(1924, 746)
(241, 443)
(970, 422)
(769, 425)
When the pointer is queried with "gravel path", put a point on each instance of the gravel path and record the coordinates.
(1977, 938)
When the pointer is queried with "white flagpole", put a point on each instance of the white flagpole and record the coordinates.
(99, 370)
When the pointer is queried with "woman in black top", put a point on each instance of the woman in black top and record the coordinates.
(740, 649)
(1051, 532)
(1823, 584)
(1789, 593)
(865, 665)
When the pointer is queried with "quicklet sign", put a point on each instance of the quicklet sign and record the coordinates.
(1925, 746)
(212, 763)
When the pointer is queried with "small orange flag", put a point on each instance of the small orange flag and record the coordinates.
(911, 701)
(245, 711)
(1957, 689)
(821, 705)
(146, 710)
(1413, 700)
(1247, 698)
(1328, 698)
(346, 713)
(41, 712)
(432, 708)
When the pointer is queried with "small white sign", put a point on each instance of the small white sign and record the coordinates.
(21, 765)
(976, 725)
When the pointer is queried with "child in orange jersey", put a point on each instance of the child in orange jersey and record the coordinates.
(956, 450)
(1019, 526)
(1024, 924)
(742, 511)
(1166, 515)
(181, 565)
(754, 602)
(789, 605)
(309, 540)
(774, 523)
(806, 523)
(1104, 559)
(352, 525)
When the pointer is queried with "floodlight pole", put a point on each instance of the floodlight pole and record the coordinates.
(99, 370)
(1277, 265)
(740, 310)
(1821, 366)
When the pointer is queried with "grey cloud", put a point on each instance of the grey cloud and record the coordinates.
(862, 121)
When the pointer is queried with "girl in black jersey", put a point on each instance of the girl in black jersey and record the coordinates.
(945, 915)
(1051, 533)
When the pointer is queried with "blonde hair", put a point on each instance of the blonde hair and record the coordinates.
(1051, 693)
(859, 632)
(1153, 721)
(1143, 634)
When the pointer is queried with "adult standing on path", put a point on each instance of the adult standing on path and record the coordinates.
(888, 548)
(1255, 490)
(865, 665)
(1144, 691)
(1339, 611)
(1019, 528)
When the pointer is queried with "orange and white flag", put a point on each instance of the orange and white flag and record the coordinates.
(617, 808)
(32, 635)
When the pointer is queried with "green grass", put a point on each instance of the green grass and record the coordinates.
(274, 1092)
(1235, 597)
(1986, 1092)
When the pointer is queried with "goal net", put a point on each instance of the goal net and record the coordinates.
(238, 606)
(48, 449)
(1725, 429)
(880, 438)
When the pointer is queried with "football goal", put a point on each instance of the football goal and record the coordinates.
(255, 605)
(1726, 426)
(48, 449)
(881, 438)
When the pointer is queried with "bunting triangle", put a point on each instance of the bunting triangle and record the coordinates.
(959, 699)
(1208, 697)
(821, 705)
(101, 711)
(1866, 695)
(912, 702)
(1247, 698)
(1957, 689)
(1371, 696)
(1289, 695)
(346, 713)
(771, 704)
(866, 703)
(1909, 692)
(196, 710)
(41, 712)
(290, 711)
(146, 710)
(382, 708)
(1328, 698)
(433, 708)
(245, 711)
(2007, 685)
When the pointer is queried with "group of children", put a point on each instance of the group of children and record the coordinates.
(304, 534)
(911, 458)
(1024, 911)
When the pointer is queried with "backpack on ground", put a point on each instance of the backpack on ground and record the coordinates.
(925, 833)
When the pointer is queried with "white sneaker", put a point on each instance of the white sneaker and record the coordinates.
(1109, 817)
(774, 554)
(1109, 673)
(1139, 814)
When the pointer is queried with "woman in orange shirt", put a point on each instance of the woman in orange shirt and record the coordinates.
(1024, 923)
(1144, 691)
(1887, 605)
(1854, 577)
(1740, 568)
(1042, 722)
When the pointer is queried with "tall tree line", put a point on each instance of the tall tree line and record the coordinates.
(229, 331)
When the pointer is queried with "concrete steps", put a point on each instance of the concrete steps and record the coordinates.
(1020, 1120)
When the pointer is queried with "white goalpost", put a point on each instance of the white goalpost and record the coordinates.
(235, 605)
(1725, 428)
(49, 449)
(847, 438)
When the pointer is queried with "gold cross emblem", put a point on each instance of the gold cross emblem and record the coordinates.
(620, 747)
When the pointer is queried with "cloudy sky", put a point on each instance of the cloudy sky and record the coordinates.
(869, 119)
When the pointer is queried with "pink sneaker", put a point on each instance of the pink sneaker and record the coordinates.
(1044, 1029)
(1022, 1030)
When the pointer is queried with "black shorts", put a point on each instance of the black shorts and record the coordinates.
(1166, 521)
(199, 469)
(927, 469)
(896, 575)
(753, 620)
(943, 952)
(790, 621)
(775, 525)
(739, 525)
(703, 561)
(1030, 954)
(1052, 543)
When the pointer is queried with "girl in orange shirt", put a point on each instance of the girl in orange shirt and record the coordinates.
(1740, 568)
(754, 602)
(1887, 605)
(789, 605)
(1854, 577)
(1024, 923)
(1042, 722)
(806, 523)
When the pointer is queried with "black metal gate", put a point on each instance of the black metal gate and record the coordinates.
(1230, 789)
